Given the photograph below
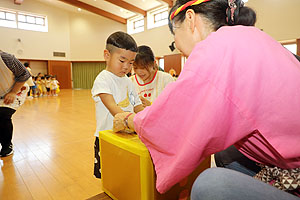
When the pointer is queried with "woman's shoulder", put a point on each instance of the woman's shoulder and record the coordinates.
(232, 36)
(229, 42)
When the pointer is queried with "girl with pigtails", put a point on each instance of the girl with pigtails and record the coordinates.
(238, 87)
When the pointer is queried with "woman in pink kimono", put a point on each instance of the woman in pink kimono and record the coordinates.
(238, 87)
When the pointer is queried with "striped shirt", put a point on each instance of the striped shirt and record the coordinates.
(18, 69)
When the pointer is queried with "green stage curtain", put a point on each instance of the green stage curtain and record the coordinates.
(85, 73)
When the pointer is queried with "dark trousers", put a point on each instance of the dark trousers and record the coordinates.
(6, 126)
(231, 158)
(97, 165)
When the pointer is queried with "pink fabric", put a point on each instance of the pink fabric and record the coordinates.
(236, 81)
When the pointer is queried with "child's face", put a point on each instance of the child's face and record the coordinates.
(143, 73)
(120, 61)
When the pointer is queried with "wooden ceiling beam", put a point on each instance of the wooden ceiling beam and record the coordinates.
(169, 2)
(128, 6)
(19, 2)
(95, 10)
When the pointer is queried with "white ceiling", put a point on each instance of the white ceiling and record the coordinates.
(109, 7)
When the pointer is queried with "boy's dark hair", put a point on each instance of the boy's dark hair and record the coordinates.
(144, 57)
(26, 64)
(217, 12)
(121, 40)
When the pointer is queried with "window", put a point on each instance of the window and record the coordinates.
(10, 16)
(22, 20)
(8, 19)
(162, 16)
(135, 25)
(2, 15)
(291, 47)
(138, 24)
(31, 19)
(32, 22)
(161, 63)
(158, 17)
(40, 21)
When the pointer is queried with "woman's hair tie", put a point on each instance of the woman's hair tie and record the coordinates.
(233, 9)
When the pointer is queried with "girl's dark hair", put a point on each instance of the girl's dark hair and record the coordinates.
(121, 40)
(26, 64)
(217, 12)
(144, 57)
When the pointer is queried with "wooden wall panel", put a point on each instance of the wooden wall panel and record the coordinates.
(62, 70)
(173, 61)
(298, 46)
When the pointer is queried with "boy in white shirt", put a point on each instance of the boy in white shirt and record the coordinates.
(113, 92)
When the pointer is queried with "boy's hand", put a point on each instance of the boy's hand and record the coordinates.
(119, 124)
(145, 102)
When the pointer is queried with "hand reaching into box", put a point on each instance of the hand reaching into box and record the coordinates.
(123, 122)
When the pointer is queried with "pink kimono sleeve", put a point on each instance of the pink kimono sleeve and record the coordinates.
(189, 121)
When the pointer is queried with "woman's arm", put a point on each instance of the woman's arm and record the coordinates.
(20, 72)
(190, 120)
(10, 97)
(121, 121)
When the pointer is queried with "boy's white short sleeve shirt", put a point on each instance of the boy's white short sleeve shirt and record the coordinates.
(123, 92)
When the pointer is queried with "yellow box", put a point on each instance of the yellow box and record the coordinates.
(127, 170)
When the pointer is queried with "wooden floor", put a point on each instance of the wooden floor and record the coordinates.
(53, 142)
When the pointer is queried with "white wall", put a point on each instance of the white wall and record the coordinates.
(37, 45)
(38, 67)
(158, 39)
(278, 18)
(88, 34)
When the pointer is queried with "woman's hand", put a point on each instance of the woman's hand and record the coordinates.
(10, 97)
(145, 102)
(119, 124)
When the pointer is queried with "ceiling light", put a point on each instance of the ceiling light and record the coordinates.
(79, 9)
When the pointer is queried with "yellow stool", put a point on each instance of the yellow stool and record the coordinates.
(127, 170)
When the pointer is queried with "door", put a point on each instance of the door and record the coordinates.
(62, 71)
